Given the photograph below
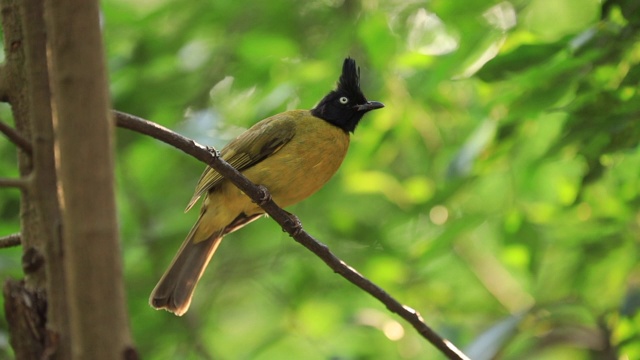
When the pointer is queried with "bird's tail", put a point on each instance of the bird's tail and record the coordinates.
(175, 289)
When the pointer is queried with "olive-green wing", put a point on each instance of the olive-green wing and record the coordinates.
(254, 145)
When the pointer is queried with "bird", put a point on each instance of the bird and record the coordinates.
(293, 154)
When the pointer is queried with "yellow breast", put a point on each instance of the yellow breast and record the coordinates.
(305, 163)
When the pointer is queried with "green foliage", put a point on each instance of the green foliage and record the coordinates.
(497, 193)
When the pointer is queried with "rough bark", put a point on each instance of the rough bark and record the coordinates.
(15, 80)
(58, 345)
(25, 302)
(25, 310)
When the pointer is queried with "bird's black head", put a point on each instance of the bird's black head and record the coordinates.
(345, 106)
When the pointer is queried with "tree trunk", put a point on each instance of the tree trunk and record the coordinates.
(71, 304)
(97, 313)
(25, 301)
(44, 189)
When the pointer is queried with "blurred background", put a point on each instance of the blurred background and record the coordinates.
(497, 193)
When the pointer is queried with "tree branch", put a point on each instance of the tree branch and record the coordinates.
(10, 241)
(16, 183)
(259, 195)
(15, 137)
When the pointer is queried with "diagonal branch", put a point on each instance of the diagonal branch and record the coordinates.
(10, 240)
(15, 137)
(289, 224)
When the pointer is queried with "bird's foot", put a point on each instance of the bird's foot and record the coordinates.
(215, 152)
(295, 224)
(264, 196)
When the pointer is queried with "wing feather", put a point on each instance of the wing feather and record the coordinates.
(254, 145)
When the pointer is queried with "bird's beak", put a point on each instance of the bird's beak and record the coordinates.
(370, 105)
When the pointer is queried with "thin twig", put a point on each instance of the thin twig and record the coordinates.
(10, 241)
(16, 183)
(16, 138)
(258, 195)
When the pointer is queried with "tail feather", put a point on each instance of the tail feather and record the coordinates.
(175, 289)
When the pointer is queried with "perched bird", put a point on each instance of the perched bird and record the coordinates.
(292, 154)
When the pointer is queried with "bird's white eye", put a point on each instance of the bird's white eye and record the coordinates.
(344, 100)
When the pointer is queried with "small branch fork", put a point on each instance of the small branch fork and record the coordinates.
(289, 223)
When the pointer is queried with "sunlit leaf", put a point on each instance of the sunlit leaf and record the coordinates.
(488, 344)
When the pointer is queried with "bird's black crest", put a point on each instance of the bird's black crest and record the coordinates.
(345, 106)
(350, 78)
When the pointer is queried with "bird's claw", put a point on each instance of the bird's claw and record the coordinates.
(295, 223)
(215, 152)
(264, 196)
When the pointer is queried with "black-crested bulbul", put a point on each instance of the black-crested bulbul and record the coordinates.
(292, 154)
